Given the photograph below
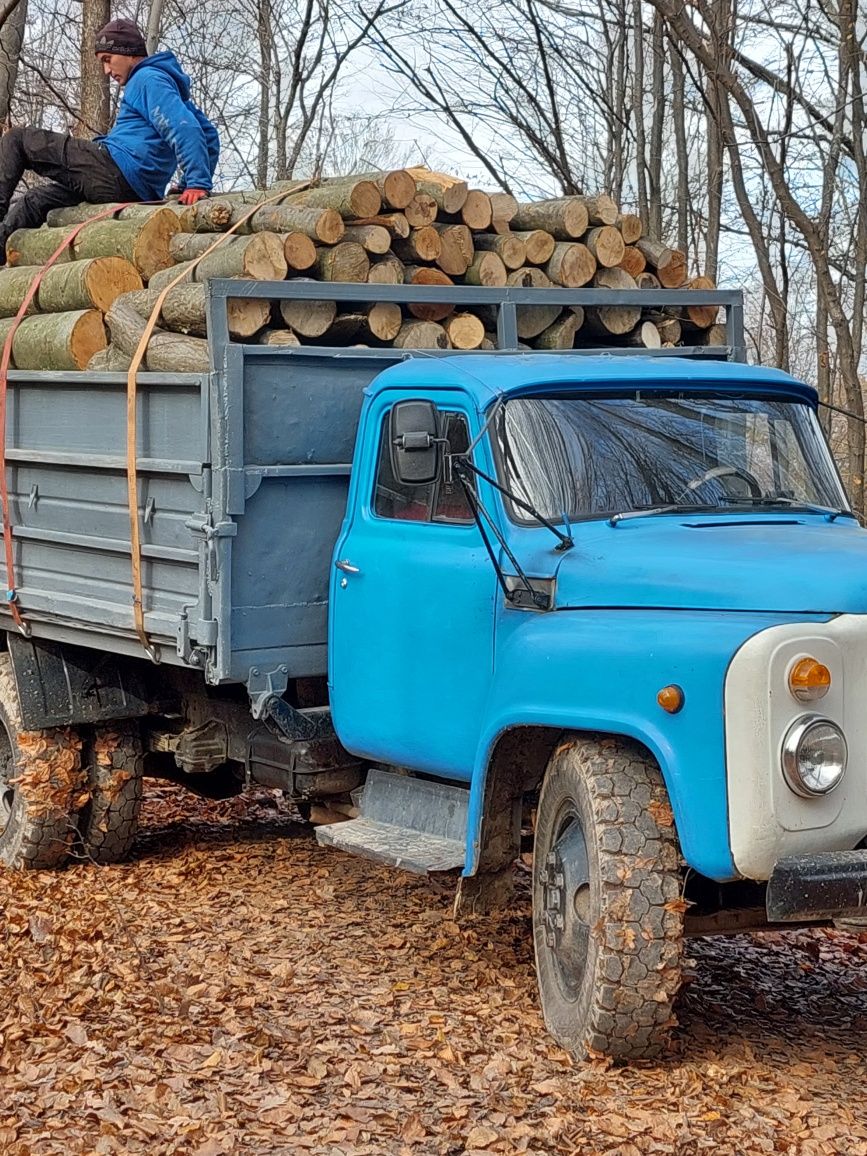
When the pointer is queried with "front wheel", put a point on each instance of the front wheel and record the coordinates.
(607, 921)
(108, 822)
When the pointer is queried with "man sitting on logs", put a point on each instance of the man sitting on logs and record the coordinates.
(158, 130)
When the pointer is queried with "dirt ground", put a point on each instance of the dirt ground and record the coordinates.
(236, 989)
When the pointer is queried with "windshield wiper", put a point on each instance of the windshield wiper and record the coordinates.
(831, 512)
(461, 462)
(672, 508)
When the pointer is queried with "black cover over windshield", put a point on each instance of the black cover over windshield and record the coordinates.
(589, 456)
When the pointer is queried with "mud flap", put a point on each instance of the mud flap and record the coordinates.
(832, 885)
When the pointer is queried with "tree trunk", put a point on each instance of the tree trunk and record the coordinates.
(428, 310)
(456, 249)
(93, 284)
(145, 243)
(167, 276)
(539, 246)
(638, 128)
(571, 265)
(126, 326)
(109, 360)
(509, 247)
(630, 228)
(565, 219)
(532, 319)
(395, 224)
(183, 311)
(14, 284)
(207, 216)
(487, 269)
(645, 336)
(678, 115)
(421, 335)
(258, 257)
(308, 318)
(372, 238)
(174, 353)
(606, 244)
(633, 261)
(606, 320)
(299, 251)
(35, 246)
(421, 211)
(278, 337)
(421, 245)
(450, 193)
(560, 335)
(477, 211)
(657, 122)
(322, 225)
(503, 209)
(668, 264)
(344, 262)
(354, 199)
(465, 331)
(11, 39)
(93, 99)
(58, 341)
(389, 271)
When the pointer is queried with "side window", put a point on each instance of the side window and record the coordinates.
(438, 501)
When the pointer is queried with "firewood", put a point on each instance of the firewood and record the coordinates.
(421, 245)
(503, 209)
(372, 238)
(14, 284)
(630, 228)
(700, 316)
(450, 193)
(476, 211)
(715, 335)
(645, 335)
(539, 246)
(168, 275)
(428, 310)
(668, 264)
(560, 335)
(565, 218)
(632, 261)
(533, 319)
(174, 353)
(669, 327)
(465, 331)
(612, 319)
(606, 245)
(421, 335)
(57, 341)
(323, 225)
(350, 199)
(109, 360)
(388, 271)
(601, 210)
(258, 257)
(183, 310)
(206, 216)
(456, 249)
(308, 318)
(67, 216)
(126, 326)
(572, 265)
(509, 247)
(395, 224)
(378, 323)
(344, 262)
(647, 281)
(487, 269)
(144, 243)
(299, 251)
(187, 246)
(396, 187)
(277, 337)
(421, 211)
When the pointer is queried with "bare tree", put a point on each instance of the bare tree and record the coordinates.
(94, 111)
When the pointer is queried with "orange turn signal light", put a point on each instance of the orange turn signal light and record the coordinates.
(809, 680)
(671, 698)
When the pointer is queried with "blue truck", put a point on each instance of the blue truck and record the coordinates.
(606, 604)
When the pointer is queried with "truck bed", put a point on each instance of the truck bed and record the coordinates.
(242, 479)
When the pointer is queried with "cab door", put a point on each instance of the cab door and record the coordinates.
(412, 610)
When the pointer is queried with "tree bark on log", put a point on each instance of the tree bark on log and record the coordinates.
(353, 199)
(421, 245)
(372, 238)
(486, 269)
(612, 319)
(632, 261)
(145, 243)
(572, 265)
(187, 246)
(561, 334)
(396, 186)
(645, 336)
(344, 262)
(92, 284)
(716, 335)
(109, 360)
(539, 246)
(565, 218)
(126, 326)
(421, 211)
(606, 245)
(35, 246)
(432, 310)
(668, 264)
(308, 318)
(669, 328)
(58, 341)
(395, 224)
(450, 193)
(503, 209)
(207, 216)
(421, 335)
(601, 210)
(258, 257)
(183, 310)
(14, 283)
(456, 249)
(68, 216)
(647, 281)
(324, 225)
(166, 276)
(465, 331)
(509, 247)
(532, 319)
(174, 353)
(389, 271)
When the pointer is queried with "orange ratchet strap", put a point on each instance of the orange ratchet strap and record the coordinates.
(11, 592)
(132, 416)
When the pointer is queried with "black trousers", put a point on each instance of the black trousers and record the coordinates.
(78, 170)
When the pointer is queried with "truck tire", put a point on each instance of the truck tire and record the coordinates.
(40, 784)
(607, 918)
(108, 822)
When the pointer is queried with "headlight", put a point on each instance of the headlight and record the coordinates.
(814, 756)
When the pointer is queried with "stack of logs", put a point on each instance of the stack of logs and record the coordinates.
(409, 226)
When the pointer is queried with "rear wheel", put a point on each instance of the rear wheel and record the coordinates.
(607, 921)
(108, 822)
(40, 785)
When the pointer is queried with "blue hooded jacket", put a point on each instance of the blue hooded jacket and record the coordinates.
(158, 129)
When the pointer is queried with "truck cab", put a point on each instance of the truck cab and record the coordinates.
(620, 602)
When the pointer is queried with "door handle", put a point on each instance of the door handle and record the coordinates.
(347, 567)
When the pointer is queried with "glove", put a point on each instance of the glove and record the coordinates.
(190, 196)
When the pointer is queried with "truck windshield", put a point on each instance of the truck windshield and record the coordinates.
(585, 457)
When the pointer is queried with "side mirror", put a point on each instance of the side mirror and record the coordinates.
(415, 448)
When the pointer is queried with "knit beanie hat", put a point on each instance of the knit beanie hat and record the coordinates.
(121, 38)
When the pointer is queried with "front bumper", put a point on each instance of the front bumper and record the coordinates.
(832, 885)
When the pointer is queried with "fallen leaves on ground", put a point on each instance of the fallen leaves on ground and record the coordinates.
(236, 989)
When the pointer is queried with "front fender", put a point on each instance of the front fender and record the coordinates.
(601, 670)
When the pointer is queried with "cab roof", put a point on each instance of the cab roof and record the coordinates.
(491, 375)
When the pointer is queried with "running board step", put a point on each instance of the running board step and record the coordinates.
(413, 824)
